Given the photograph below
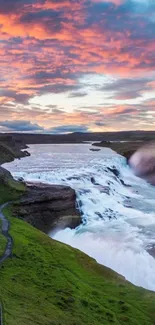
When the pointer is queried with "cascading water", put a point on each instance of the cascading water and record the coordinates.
(117, 208)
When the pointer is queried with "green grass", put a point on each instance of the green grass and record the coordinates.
(11, 190)
(49, 283)
(3, 241)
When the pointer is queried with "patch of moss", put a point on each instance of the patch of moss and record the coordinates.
(47, 282)
(11, 191)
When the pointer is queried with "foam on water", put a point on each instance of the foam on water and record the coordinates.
(117, 208)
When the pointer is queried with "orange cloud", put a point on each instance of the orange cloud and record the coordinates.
(116, 2)
(47, 46)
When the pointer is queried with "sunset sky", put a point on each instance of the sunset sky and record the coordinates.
(83, 65)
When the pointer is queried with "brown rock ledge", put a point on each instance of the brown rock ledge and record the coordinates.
(47, 207)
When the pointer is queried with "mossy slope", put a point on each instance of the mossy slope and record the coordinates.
(46, 282)
(9, 188)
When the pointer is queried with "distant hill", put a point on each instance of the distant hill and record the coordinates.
(80, 137)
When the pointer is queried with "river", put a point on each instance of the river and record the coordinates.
(117, 208)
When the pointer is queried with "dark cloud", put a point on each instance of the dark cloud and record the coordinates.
(57, 111)
(57, 89)
(68, 129)
(100, 123)
(78, 94)
(51, 106)
(14, 5)
(57, 73)
(127, 88)
(18, 97)
(52, 19)
(126, 111)
(127, 95)
(21, 126)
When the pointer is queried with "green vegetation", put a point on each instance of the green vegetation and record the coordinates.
(9, 188)
(3, 241)
(46, 282)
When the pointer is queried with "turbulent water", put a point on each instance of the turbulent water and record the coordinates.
(117, 208)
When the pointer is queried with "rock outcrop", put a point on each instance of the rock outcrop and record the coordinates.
(47, 207)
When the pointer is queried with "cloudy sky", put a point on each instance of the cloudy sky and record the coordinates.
(77, 65)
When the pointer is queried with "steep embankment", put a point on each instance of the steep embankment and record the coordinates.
(9, 188)
(46, 282)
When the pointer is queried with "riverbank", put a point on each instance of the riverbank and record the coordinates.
(125, 149)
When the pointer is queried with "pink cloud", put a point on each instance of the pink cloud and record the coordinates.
(116, 2)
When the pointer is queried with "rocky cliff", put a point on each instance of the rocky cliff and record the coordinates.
(48, 206)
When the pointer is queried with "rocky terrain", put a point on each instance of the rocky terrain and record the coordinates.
(48, 207)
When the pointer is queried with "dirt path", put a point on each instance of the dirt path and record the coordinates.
(5, 232)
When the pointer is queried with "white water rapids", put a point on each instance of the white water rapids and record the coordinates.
(117, 208)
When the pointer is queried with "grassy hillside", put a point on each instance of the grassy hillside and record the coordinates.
(46, 282)
(9, 188)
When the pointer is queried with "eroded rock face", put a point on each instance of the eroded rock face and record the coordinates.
(48, 206)
(143, 162)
